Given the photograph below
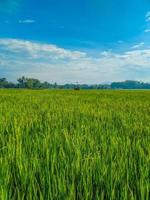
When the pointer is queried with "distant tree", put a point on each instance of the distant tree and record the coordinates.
(22, 82)
(129, 84)
(55, 85)
(32, 83)
(29, 83)
(3, 82)
(46, 85)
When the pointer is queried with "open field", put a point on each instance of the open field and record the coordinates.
(67, 145)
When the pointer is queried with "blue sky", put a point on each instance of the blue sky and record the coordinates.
(89, 41)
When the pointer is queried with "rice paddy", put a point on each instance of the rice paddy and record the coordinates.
(74, 145)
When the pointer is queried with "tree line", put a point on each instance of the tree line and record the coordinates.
(32, 83)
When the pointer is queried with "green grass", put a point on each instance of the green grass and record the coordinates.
(68, 145)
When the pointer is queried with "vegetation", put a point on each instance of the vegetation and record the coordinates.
(58, 145)
(32, 83)
(130, 85)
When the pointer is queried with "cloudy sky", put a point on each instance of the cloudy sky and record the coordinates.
(89, 41)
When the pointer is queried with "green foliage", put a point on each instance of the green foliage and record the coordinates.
(29, 83)
(130, 85)
(5, 84)
(71, 145)
(32, 83)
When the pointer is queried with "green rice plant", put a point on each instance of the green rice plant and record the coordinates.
(74, 145)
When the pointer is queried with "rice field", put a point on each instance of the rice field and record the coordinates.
(74, 145)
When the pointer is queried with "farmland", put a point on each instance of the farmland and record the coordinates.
(68, 145)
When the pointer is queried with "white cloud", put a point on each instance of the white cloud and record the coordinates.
(38, 50)
(137, 46)
(147, 30)
(147, 16)
(105, 53)
(26, 21)
(51, 63)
